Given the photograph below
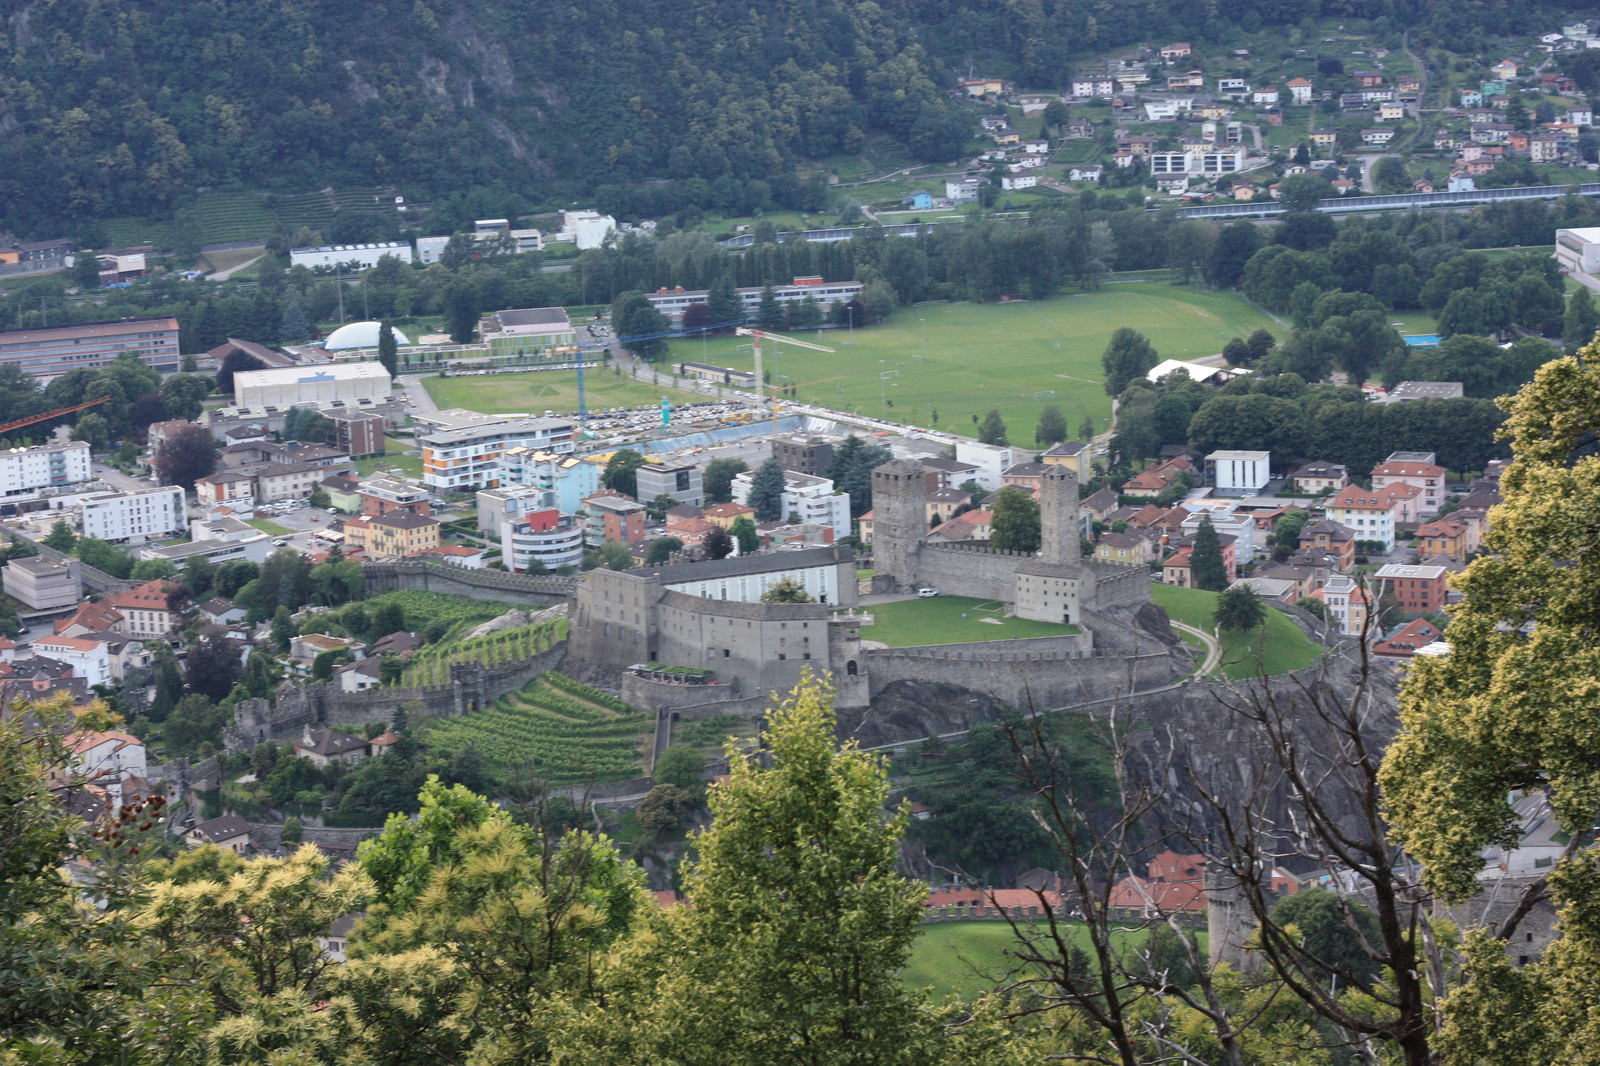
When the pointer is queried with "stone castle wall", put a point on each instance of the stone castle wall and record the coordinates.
(429, 576)
(970, 571)
(472, 686)
(1041, 671)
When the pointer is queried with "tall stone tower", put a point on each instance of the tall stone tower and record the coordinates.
(899, 518)
(1059, 532)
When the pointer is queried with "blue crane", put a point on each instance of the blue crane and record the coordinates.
(591, 346)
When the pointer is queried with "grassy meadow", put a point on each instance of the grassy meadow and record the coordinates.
(1278, 647)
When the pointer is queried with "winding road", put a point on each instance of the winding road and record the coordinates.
(1213, 649)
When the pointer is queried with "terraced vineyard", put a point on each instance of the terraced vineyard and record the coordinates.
(568, 734)
(431, 666)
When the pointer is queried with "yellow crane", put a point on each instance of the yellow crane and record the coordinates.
(756, 337)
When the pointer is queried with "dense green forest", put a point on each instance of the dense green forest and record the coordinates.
(128, 107)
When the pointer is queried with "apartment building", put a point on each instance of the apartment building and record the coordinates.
(358, 432)
(461, 450)
(1418, 589)
(1413, 468)
(26, 473)
(394, 535)
(569, 477)
(812, 498)
(537, 540)
(134, 517)
(88, 658)
(680, 480)
(380, 495)
(149, 611)
(51, 351)
(674, 302)
(1369, 513)
(613, 517)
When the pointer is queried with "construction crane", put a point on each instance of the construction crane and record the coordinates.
(7, 427)
(756, 337)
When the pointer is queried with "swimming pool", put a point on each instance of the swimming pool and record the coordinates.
(1423, 340)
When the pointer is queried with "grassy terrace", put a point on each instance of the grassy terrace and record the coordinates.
(951, 620)
(1277, 647)
(966, 957)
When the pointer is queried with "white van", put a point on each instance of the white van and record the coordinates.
(927, 593)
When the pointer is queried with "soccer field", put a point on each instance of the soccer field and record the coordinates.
(949, 362)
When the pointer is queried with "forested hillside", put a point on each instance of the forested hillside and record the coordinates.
(124, 107)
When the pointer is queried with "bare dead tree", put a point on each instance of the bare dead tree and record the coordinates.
(1312, 798)
(1121, 985)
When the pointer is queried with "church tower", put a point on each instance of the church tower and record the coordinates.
(899, 518)
(1059, 530)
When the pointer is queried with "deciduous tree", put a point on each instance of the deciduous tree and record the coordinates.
(1015, 525)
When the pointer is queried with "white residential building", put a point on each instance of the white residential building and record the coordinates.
(586, 229)
(1240, 525)
(134, 517)
(1093, 85)
(1238, 473)
(1014, 182)
(1171, 163)
(1347, 604)
(26, 472)
(462, 450)
(812, 498)
(962, 189)
(992, 460)
(547, 537)
(87, 658)
(107, 759)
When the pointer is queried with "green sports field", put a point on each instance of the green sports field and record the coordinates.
(1278, 647)
(951, 620)
(951, 361)
(547, 390)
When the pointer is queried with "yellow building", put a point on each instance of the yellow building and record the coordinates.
(394, 535)
(1073, 454)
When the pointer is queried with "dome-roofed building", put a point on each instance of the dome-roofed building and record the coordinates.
(359, 335)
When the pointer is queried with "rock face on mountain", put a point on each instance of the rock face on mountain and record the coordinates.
(910, 711)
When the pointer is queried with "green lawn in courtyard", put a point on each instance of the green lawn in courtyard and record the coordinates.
(957, 360)
(547, 390)
(1278, 647)
(951, 620)
(270, 528)
(967, 957)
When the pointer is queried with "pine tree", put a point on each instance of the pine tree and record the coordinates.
(723, 305)
(993, 428)
(388, 352)
(1205, 559)
(766, 491)
(61, 537)
(1052, 428)
(1239, 610)
(295, 327)
(1580, 321)
(769, 313)
(1086, 430)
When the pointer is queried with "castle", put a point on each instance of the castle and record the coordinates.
(1055, 585)
(709, 615)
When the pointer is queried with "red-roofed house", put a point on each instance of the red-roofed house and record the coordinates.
(108, 758)
(98, 617)
(1448, 536)
(1415, 634)
(87, 658)
(1429, 477)
(955, 902)
(149, 611)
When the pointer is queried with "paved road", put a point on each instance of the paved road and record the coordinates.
(1213, 649)
(421, 402)
(224, 275)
